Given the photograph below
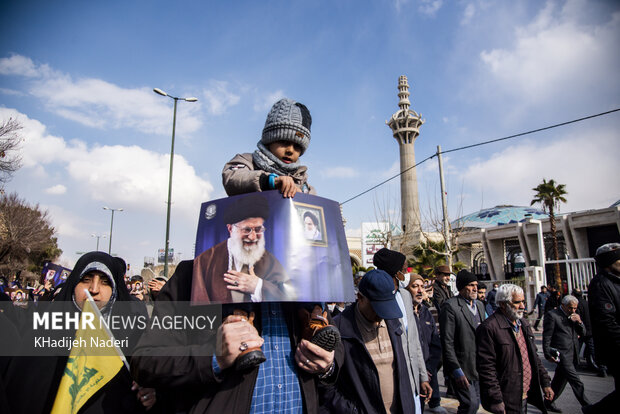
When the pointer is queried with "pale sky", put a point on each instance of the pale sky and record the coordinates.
(79, 76)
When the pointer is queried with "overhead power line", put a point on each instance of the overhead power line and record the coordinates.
(385, 181)
(480, 144)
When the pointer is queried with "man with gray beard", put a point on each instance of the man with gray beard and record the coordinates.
(510, 372)
(239, 269)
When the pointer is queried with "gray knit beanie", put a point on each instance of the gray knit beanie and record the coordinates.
(288, 121)
(607, 254)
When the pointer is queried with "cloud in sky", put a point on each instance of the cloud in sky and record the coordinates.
(100, 104)
(264, 103)
(392, 170)
(58, 189)
(550, 53)
(130, 175)
(468, 13)
(138, 178)
(430, 7)
(219, 97)
(22, 66)
(523, 166)
(67, 223)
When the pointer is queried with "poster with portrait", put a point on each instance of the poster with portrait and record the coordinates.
(261, 247)
(312, 218)
(53, 274)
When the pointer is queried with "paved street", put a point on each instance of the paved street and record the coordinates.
(596, 388)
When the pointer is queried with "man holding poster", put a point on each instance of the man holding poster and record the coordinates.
(233, 267)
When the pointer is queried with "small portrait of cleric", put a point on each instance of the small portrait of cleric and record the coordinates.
(313, 222)
(240, 269)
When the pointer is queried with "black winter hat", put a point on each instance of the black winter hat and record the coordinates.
(388, 260)
(464, 278)
(252, 205)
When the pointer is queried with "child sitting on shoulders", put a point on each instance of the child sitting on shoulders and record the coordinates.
(275, 165)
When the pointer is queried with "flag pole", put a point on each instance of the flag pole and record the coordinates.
(106, 328)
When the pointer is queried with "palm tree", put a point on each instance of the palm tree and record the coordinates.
(550, 194)
(427, 255)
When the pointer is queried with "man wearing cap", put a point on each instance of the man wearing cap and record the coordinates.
(239, 269)
(395, 264)
(442, 291)
(374, 376)
(429, 340)
(458, 320)
(604, 304)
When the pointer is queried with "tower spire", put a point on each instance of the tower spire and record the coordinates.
(405, 125)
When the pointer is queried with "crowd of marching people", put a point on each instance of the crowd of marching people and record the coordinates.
(401, 331)
(382, 353)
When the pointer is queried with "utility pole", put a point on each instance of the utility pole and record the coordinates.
(444, 205)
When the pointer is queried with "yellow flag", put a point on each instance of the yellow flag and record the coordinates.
(87, 371)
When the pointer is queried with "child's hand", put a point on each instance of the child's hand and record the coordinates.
(286, 185)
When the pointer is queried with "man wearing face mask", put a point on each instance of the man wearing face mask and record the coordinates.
(429, 340)
(395, 264)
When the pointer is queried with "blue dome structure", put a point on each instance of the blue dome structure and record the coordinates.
(497, 216)
(617, 203)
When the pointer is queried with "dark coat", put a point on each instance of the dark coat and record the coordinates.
(458, 336)
(429, 338)
(491, 299)
(553, 301)
(562, 334)
(500, 368)
(604, 304)
(357, 389)
(187, 371)
(540, 301)
(32, 381)
(441, 293)
(584, 312)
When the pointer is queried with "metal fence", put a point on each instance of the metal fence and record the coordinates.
(579, 272)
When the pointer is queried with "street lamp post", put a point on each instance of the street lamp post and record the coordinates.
(111, 225)
(174, 122)
(98, 236)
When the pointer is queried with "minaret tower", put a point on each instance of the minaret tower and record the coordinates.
(405, 125)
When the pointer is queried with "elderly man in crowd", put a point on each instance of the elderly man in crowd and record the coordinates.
(374, 376)
(561, 330)
(458, 320)
(604, 304)
(441, 287)
(239, 269)
(395, 264)
(429, 340)
(505, 347)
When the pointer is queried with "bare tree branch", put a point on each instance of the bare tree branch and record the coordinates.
(10, 143)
